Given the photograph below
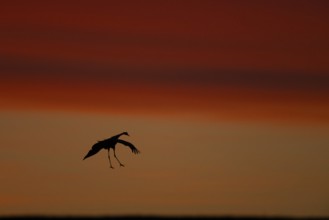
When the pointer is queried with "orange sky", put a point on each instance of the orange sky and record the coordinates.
(228, 71)
(258, 56)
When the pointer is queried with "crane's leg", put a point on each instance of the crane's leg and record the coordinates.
(121, 165)
(110, 159)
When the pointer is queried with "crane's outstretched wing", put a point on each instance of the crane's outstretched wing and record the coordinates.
(130, 145)
(95, 148)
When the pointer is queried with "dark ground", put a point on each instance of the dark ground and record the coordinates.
(39, 217)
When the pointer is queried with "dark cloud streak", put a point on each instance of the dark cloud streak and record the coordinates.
(60, 70)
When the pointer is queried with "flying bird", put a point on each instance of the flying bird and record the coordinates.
(111, 143)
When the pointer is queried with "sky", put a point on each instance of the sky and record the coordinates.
(226, 100)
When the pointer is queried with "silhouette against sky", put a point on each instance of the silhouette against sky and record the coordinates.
(111, 143)
(228, 100)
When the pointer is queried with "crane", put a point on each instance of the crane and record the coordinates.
(109, 143)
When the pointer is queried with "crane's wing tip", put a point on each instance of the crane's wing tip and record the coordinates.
(136, 151)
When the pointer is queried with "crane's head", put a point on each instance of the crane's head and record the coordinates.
(125, 133)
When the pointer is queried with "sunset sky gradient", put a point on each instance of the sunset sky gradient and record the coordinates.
(228, 101)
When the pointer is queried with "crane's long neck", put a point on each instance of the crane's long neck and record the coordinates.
(118, 135)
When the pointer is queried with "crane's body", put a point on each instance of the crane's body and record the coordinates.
(111, 143)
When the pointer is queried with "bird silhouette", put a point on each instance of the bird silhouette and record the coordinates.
(111, 143)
